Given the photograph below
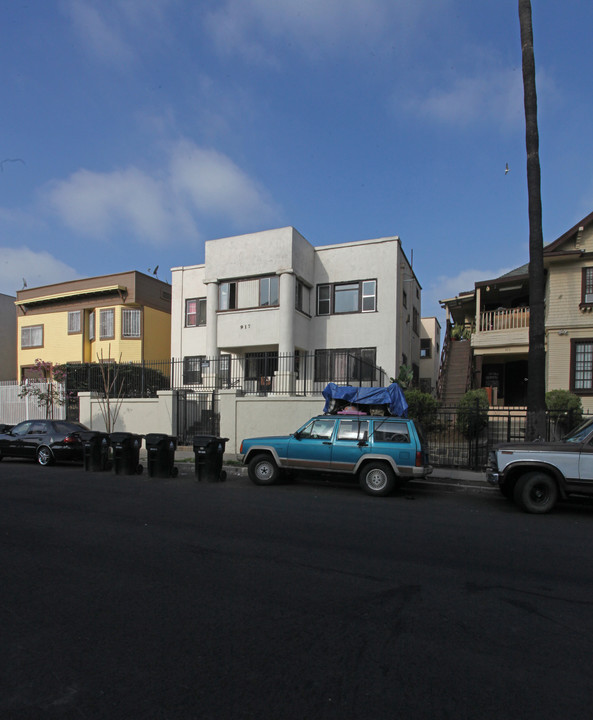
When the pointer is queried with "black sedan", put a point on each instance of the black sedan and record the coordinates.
(43, 440)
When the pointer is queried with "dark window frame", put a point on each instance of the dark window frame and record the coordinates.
(329, 364)
(192, 369)
(329, 303)
(587, 286)
(574, 349)
(72, 314)
(200, 312)
(30, 328)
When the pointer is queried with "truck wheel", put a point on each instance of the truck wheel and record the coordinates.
(377, 478)
(263, 470)
(536, 492)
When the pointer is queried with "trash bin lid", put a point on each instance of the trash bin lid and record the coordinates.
(152, 439)
(204, 440)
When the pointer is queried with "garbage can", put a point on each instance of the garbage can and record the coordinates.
(160, 450)
(208, 451)
(95, 448)
(126, 453)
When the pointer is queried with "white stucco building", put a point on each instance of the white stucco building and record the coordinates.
(273, 299)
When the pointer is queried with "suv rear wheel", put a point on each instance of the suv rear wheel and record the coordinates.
(377, 478)
(536, 492)
(263, 470)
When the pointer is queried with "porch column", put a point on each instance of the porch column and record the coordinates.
(285, 377)
(211, 320)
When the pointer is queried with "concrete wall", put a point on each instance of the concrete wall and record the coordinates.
(136, 415)
(240, 417)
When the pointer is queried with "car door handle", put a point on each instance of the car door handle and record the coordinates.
(326, 442)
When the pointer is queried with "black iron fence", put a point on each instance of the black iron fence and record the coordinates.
(463, 438)
(260, 373)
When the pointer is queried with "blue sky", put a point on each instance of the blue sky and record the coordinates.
(132, 131)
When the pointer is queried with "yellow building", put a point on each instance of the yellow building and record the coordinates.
(125, 315)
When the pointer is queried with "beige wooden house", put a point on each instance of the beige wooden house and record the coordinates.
(496, 313)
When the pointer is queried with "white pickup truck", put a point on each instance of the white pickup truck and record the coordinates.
(536, 474)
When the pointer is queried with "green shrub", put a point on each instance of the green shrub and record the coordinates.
(564, 408)
(422, 407)
(472, 412)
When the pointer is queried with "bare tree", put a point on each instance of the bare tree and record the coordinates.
(536, 402)
(111, 401)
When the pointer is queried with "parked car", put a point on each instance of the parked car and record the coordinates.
(43, 440)
(382, 452)
(536, 474)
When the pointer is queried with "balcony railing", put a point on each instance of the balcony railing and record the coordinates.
(504, 319)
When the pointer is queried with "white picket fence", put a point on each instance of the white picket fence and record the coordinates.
(15, 409)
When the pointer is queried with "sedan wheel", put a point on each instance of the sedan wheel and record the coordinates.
(44, 455)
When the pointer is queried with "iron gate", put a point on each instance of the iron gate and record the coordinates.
(197, 414)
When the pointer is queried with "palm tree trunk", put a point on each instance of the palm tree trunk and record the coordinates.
(536, 403)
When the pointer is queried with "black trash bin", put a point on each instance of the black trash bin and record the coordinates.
(209, 450)
(95, 447)
(126, 453)
(160, 450)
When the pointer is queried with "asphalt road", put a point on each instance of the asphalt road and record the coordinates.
(130, 597)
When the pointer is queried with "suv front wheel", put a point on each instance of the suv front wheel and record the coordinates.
(377, 478)
(263, 470)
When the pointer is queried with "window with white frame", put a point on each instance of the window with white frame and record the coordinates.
(74, 322)
(131, 323)
(587, 286)
(32, 336)
(349, 297)
(106, 324)
(92, 325)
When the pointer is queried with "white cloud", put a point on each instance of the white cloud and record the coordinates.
(445, 287)
(495, 95)
(35, 267)
(246, 26)
(98, 37)
(164, 206)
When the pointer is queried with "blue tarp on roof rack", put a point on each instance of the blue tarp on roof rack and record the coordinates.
(392, 396)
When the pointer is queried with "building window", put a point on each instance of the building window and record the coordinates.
(32, 336)
(74, 323)
(345, 364)
(351, 297)
(302, 295)
(227, 299)
(92, 325)
(131, 323)
(192, 369)
(369, 296)
(323, 299)
(587, 286)
(268, 291)
(405, 299)
(425, 348)
(581, 366)
(415, 319)
(106, 318)
(195, 312)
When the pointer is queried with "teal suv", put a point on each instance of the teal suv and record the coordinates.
(381, 452)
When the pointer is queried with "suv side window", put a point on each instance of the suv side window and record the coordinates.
(353, 430)
(318, 430)
(391, 431)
